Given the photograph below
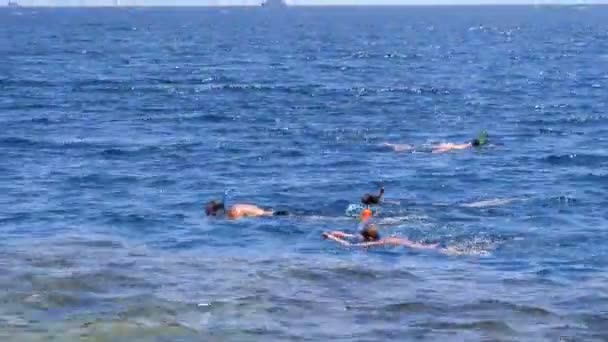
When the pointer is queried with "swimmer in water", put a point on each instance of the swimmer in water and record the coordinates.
(369, 237)
(444, 147)
(369, 199)
(236, 211)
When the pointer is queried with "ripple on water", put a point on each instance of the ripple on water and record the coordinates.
(340, 274)
(504, 308)
(589, 160)
(494, 329)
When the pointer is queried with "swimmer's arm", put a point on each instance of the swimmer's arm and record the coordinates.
(396, 242)
(342, 235)
(443, 149)
(440, 150)
(463, 146)
(370, 244)
(398, 147)
(336, 239)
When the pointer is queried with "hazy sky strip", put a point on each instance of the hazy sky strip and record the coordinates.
(291, 2)
(444, 2)
(136, 2)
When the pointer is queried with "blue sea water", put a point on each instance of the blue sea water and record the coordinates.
(118, 125)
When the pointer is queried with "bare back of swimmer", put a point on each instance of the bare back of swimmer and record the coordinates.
(443, 147)
(236, 211)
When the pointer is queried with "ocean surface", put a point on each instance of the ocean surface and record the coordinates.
(118, 125)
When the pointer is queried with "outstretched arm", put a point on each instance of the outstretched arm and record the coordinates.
(398, 147)
(370, 244)
(396, 242)
(337, 239)
(449, 147)
(341, 235)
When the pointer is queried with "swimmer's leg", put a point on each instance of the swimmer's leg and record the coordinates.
(398, 147)
(273, 212)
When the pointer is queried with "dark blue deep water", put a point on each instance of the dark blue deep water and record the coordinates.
(118, 125)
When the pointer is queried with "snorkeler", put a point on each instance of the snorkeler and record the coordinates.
(369, 199)
(369, 237)
(481, 140)
(236, 211)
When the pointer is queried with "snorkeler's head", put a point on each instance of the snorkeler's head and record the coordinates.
(480, 140)
(370, 233)
(213, 207)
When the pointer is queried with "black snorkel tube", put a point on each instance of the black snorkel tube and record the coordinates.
(481, 139)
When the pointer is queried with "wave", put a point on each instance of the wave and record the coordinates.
(290, 153)
(101, 84)
(532, 282)
(15, 217)
(563, 121)
(186, 80)
(362, 91)
(111, 152)
(410, 307)
(483, 325)
(102, 281)
(346, 273)
(491, 305)
(376, 56)
(124, 152)
(46, 106)
(130, 220)
(236, 87)
(401, 219)
(98, 180)
(18, 142)
(48, 144)
(475, 246)
(122, 28)
(576, 159)
(489, 203)
(43, 121)
(28, 83)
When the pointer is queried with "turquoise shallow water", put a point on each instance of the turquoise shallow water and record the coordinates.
(119, 125)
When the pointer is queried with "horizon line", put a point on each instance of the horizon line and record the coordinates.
(314, 5)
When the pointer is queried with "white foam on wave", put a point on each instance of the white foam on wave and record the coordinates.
(477, 246)
(489, 203)
(401, 219)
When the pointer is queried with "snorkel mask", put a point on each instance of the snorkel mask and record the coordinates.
(213, 208)
(481, 139)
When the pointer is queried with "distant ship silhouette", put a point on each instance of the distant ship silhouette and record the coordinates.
(273, 3)
(13, 4)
